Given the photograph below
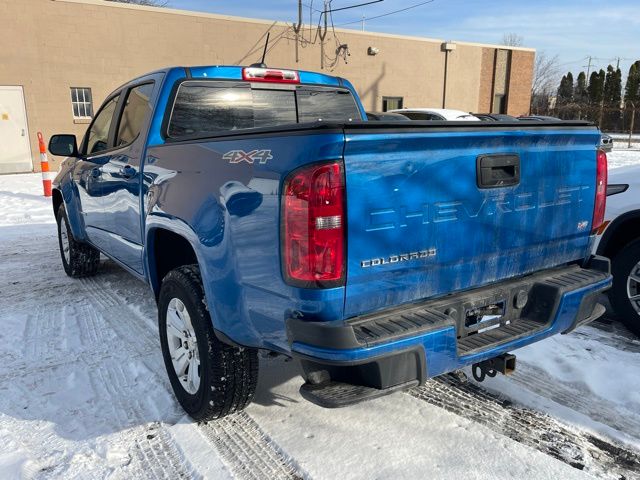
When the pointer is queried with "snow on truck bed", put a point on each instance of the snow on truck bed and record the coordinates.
(83, 393)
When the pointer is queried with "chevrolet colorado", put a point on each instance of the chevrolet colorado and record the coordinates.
(267, 213)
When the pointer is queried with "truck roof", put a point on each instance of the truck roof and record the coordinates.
(234, 72)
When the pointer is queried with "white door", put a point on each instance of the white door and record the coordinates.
(15, 150)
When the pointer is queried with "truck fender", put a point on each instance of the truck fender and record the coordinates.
(65, 191)
(620, 232)
(175, 226)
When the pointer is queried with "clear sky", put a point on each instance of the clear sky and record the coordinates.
(572, 29)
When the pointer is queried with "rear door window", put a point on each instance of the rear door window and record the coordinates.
(208, 107)
(135, 114)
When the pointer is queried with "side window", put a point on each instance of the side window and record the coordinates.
(98, 137)
(135, 113)
(416, 116)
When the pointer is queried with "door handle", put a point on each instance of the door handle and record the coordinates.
(95, 172)
(23, 132)
(127, 171)
(498, 170)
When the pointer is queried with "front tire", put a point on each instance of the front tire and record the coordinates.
(209, 378)
(78, 259)
(625, 293)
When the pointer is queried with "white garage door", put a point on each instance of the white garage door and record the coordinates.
(15, 151)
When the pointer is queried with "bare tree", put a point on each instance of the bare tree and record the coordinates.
(512, 40)
(546, 71)
(146, 3)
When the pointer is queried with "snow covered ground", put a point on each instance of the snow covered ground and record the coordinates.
(83, 393)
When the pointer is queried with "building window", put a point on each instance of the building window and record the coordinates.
(81, 102)
(391, 103)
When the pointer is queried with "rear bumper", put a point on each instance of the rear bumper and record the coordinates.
(411, 343)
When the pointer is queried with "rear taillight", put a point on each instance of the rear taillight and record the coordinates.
(601, 191)
(313, 240)
(273, 75)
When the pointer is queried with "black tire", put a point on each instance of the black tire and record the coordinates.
(83, 259)
(621, 267)
(228, 374)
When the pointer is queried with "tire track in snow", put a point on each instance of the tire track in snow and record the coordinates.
(120, 317)
(113, 381)
(614, 335)
(579, 449)
(43, 336)
(156, 456)
(576, 397)
(44, 341)
(60, 335)
(248, 451)
(92, 331)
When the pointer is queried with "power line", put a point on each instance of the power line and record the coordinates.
(354, 6)
(574, 61)
(389, 13)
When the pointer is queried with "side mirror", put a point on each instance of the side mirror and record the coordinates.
(64, 145)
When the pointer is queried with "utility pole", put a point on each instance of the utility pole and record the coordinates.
(633, 117)
(447, 48)
(588, 68)
(297, 27)
(323, 34)
(363, 22)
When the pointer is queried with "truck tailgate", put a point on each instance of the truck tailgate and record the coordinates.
(425, 217)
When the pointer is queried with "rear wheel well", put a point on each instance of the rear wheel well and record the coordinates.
(56, 197)
(624, 232)
(169, 251)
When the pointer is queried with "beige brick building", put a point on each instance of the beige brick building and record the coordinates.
(60, 58)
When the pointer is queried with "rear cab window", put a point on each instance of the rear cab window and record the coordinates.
(209, 108)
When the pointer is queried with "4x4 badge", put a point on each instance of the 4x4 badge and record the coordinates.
(239, 156)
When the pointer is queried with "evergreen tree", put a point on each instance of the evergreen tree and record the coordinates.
(580, 93)
(616, 97)
(608, 84)
(565, 90)
(632, 89)
(613, 87)
(596, 87)
(561, 89)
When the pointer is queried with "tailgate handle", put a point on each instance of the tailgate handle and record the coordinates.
(500, 170)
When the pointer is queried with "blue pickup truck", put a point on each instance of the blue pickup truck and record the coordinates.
(267, 213)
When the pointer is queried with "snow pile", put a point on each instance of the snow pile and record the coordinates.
(22, 201)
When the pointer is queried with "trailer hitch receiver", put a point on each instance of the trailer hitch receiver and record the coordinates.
(505, 364)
